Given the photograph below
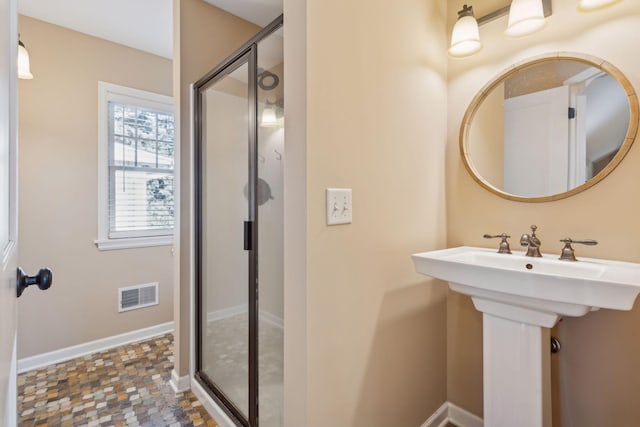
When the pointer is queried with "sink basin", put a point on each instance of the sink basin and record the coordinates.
(546, 285)
(521, 297)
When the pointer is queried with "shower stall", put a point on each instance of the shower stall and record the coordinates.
(239, 146)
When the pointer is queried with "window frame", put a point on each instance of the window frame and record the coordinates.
(109, 92)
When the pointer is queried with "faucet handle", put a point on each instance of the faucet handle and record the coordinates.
(567, 253)
(588, 242)
(504, 244)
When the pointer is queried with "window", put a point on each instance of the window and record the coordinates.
(136, 158)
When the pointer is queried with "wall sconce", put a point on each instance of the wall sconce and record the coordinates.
(589, 5)
(24, 70)
(271, 115)
(525, 17)
(465, 37)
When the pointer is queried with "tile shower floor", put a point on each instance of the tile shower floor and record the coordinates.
(125, 386)
(225, 362)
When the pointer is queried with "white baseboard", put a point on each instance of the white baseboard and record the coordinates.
(271, 319)
(236, 310)
(179, 384)
(450, 413)
(212, 408)
(463, 418)
(68, 353)
(224, 313)
(440, 418)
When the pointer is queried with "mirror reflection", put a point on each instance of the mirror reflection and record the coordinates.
(547, 128)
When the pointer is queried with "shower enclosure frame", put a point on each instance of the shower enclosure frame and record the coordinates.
(247, 54)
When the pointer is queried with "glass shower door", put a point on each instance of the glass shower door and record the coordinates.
(224, 236)
(270, 195)
(238, 194)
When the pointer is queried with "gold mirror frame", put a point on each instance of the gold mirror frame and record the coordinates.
(588, 59)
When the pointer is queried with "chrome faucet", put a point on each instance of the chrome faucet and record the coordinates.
(532, 243)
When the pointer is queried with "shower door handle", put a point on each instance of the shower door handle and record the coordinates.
(248, 233)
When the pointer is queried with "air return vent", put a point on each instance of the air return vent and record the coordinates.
(139, 296)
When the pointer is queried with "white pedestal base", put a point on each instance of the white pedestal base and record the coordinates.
(516, 374)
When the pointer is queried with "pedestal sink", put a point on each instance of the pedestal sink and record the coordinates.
(521, 298)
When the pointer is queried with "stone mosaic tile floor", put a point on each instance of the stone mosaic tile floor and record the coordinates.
(125, 386)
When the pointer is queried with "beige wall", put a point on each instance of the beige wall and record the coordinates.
(203, 36)
(295, 214)
(368, 343)
(597, 376)
(58, 183)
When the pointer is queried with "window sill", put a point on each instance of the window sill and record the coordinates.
(133, 242)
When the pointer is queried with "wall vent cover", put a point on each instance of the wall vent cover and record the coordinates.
(139, 296)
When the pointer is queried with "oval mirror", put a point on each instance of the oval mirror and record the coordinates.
(549, 127)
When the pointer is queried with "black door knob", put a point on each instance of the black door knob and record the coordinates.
(43, 279)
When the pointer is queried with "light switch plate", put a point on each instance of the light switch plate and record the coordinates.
(339, 206)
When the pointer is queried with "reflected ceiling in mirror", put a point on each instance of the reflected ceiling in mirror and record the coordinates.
(549, 127)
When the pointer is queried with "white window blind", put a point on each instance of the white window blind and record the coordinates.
(140, 171)
(136, 168)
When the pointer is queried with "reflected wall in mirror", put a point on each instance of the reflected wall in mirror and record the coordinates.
(549, 127)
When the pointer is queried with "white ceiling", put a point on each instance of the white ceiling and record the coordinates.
(140, 24)
(260, 12)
